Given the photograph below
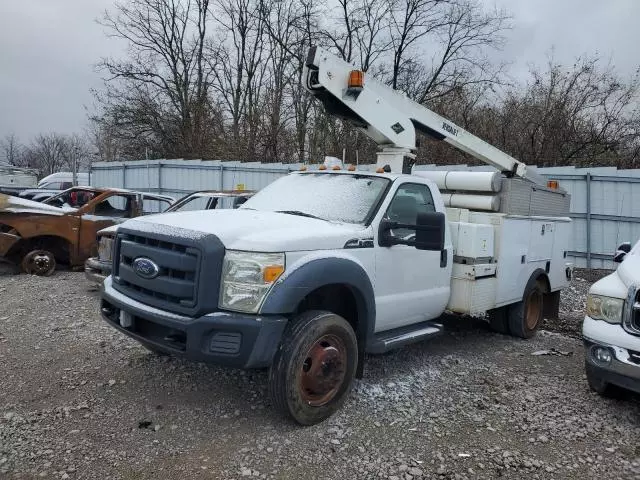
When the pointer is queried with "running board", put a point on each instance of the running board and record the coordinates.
(398, 337)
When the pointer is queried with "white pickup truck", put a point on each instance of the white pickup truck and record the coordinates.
(321, 267)
(611, 327)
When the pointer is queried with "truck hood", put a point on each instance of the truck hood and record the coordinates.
(617, 283)
(252, 230)
(11, 204)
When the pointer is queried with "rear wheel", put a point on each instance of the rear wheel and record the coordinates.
(312, 372)
(525, 317)
(39, 262)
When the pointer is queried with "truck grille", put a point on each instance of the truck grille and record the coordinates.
(635, 313)
(189, 265)
(176, 280)
(631, 320)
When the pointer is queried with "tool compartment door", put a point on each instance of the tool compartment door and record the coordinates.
(541, 240)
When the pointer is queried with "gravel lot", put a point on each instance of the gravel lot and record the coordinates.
(79, 400)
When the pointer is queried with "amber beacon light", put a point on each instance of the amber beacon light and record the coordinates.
(356, 83)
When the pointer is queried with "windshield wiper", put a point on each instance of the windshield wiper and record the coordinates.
(299, 213)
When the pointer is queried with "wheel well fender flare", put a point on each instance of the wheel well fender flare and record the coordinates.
(61, 246)
(294, 286)
(537, 275)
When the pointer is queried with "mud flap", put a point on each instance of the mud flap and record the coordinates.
(551, 306)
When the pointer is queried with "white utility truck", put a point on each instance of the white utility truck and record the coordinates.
(611, 327)
(324, 266)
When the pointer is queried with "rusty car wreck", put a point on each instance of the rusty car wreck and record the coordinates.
(38, 236)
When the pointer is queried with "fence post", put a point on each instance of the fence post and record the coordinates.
(221, 176)
(124, 175)
(159, 178)
(588, 219)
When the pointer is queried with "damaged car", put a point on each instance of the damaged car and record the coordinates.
(38, 236)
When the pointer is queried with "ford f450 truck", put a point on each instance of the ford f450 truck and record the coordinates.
(324, 266)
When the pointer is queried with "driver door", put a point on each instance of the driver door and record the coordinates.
(411, 285)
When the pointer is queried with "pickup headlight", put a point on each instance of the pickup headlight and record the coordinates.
(604, 308)
(247, 278)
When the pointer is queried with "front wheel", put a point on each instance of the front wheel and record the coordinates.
(312, 372)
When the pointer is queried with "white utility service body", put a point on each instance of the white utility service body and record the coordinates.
(323, 266)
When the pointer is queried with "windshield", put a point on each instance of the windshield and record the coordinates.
(329, 196)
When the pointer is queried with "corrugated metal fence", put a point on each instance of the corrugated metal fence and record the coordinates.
(605, 202)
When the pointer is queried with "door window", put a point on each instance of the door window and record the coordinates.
(153, 205)
(116, 206)
(197, 202)
(409, 200)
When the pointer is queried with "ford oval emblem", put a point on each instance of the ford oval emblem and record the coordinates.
(146, 268)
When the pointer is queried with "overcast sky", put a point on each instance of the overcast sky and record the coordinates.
(48, 49)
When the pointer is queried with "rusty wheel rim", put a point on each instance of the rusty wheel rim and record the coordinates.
(534, 309)
(323, 370)
(39, 263)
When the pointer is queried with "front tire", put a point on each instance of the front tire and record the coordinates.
(39, 262)
(312, 372)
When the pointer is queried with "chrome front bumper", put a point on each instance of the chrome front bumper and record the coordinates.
(623, 369)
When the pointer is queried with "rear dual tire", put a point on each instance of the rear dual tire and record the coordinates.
(521, 319)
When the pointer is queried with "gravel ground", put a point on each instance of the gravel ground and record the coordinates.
(79, 400)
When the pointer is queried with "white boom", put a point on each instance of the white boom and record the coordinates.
(391, 119)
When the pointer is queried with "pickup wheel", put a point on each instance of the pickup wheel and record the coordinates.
(596, 383)
(526, 316)
(39, 262)
(312, 372)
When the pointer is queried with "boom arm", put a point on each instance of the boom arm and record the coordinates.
(391, 119)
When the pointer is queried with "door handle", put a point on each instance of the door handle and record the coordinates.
(444, 258)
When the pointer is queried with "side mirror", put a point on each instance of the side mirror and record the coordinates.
(429, 228)
(621, 252)
(625, 247)
(430, 231)
(619, 256)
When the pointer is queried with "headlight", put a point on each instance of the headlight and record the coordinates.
(247, 278)
(608, 309)
(105, 249)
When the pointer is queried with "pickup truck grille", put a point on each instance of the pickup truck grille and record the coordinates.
(189, 267)
(635, 313)
(631, 320)
(176, 280)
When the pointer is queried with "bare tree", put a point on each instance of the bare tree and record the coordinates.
(241, 66)
(456, 34)
(161, 90)
(12, 149)
(48, 153)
